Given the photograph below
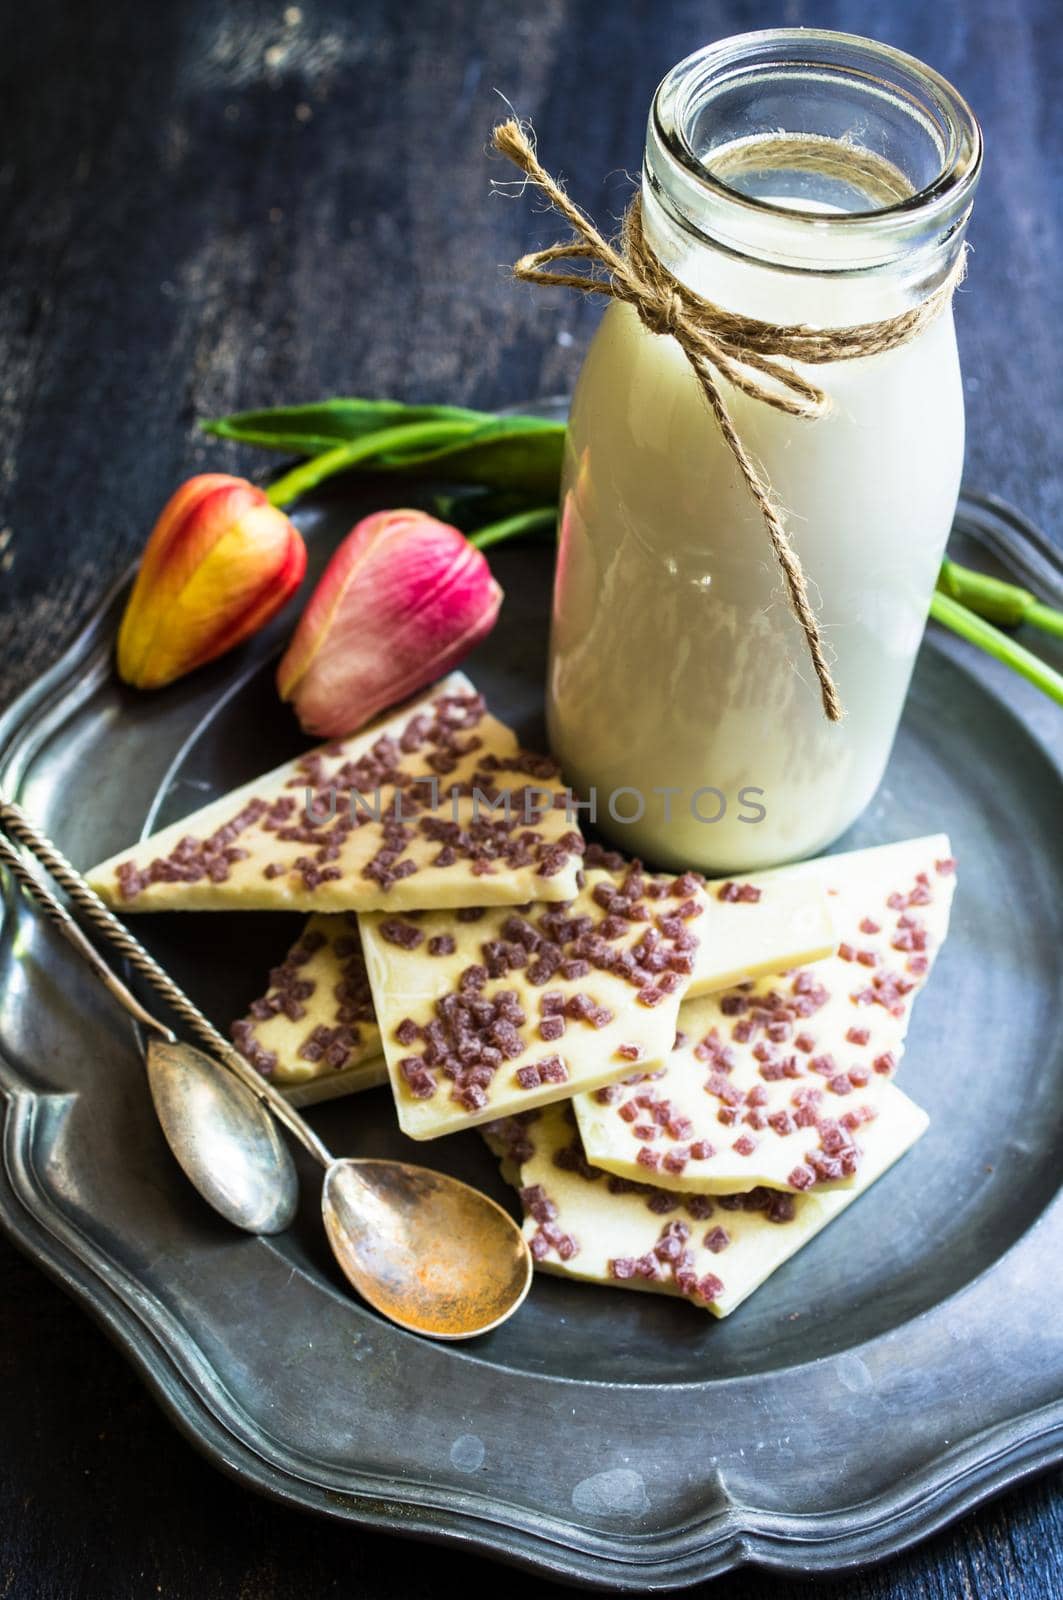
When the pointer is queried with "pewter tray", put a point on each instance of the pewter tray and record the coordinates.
(906, 1364)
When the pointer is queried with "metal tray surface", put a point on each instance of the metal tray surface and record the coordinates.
(904, 1365)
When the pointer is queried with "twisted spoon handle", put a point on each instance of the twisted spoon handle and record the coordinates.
(15, 823)
(73, 934)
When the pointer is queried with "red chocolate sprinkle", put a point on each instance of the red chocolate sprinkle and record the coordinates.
(403, 934)
(746, 893)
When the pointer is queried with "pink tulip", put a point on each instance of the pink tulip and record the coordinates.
(403, 600)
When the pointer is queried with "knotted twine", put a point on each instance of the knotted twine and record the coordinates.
(751, 355)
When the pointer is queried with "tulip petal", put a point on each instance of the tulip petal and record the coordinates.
(404, 598)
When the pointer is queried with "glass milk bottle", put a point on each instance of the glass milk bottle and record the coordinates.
(792, 176)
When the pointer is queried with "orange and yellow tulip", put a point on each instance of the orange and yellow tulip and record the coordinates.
(221, 561)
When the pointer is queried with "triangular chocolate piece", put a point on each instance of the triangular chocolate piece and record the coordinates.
(775, 1082)
(584, 1223)
(435, 805)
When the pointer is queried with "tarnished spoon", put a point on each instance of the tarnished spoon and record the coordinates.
(429, 1252)
(225, 1141)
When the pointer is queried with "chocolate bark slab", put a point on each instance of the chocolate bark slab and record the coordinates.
(485, 1011)
(582, 1222)
(434, 805)
(777, 1082)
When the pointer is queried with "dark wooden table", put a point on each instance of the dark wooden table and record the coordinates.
(210, 205)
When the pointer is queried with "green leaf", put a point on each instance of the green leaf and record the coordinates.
(510, 453)
(521, 454)
(517, 453)
(310, 430)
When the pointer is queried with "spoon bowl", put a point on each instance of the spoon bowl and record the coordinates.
(426, 1250)
(227, 1145)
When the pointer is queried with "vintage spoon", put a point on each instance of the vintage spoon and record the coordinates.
(225, 1142)
(428, 1251)
(431, 1253)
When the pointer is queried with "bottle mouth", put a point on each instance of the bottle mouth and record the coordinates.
(791, 136)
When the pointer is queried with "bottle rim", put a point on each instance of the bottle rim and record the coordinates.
(684, 183)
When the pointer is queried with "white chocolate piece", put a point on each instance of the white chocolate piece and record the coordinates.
(314, 1029)
(544, 1049)
(232, 855)
(756, 1093)
(578, 1226)
(788, 925)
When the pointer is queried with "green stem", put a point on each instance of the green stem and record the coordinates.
(1047, 618)
(977, 631)
(1006, 604)
(406, 436)
(542, 518)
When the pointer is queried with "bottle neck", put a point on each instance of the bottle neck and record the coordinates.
(791, 270)
(799, 175)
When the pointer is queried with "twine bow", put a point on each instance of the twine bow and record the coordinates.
(753, 356)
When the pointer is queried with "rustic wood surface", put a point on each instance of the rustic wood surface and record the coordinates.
(208, 205)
